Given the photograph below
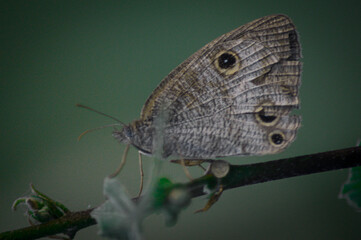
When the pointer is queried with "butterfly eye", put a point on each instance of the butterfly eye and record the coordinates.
(276, 138)
(128, 132)
(227, 62)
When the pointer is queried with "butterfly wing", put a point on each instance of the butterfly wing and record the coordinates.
(233, 96)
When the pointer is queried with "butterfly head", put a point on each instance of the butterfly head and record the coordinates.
(124, 135)
(137, 134)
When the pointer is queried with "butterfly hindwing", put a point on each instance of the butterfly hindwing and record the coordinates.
(233, 96)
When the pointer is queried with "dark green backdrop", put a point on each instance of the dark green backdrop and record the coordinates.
(111, 54)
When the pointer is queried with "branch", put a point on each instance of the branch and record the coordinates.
(242, 175)
(238, 176)
(72, 220)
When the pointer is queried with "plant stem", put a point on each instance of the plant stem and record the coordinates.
(238, 176)
(71, 220)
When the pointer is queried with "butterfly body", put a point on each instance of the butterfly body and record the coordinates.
(232, 97)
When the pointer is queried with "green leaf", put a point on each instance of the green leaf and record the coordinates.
(351, 189)
(170, 199)
(39, 207)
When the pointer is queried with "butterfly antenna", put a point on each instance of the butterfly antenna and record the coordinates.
(93, 129)
(101, 113)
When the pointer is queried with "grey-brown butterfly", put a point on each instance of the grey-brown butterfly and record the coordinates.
(232, 97)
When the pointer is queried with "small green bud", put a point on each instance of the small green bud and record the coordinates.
(40, 208)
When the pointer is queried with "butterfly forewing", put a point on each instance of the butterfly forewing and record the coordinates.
(233, 96)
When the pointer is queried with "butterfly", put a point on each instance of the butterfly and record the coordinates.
(232, 97)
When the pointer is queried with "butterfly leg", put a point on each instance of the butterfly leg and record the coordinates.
(203, 168)
(214, 198)
(190, 162)
(185, 169)
(122, 163)
(141, 174)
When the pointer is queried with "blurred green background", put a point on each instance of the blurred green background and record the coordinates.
(110, 55)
